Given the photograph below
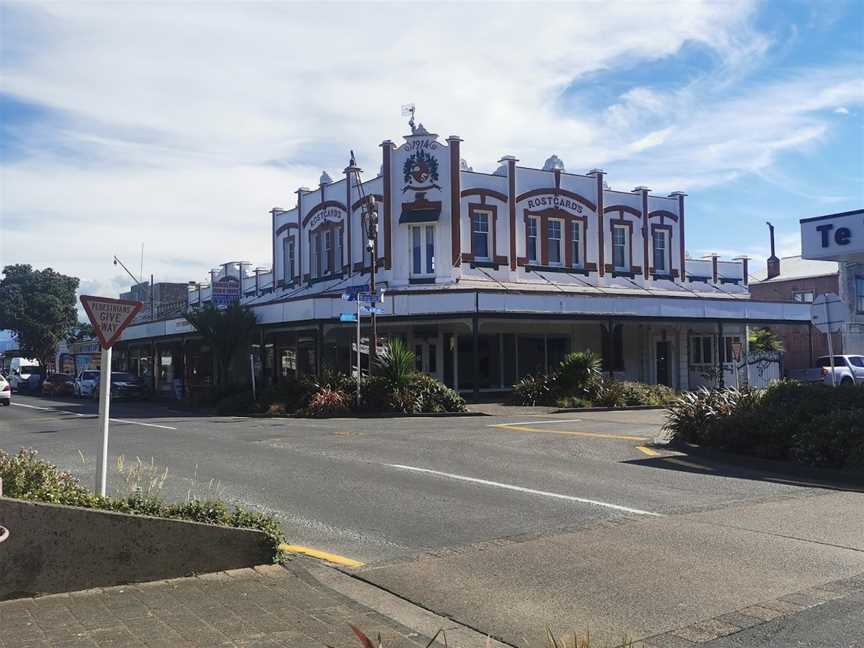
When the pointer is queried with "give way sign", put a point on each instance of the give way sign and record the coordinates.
(109, 316)
(828, 313)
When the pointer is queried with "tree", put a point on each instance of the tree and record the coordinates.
(764, 339)
(39, 307)
(225, 331)
(80, 332)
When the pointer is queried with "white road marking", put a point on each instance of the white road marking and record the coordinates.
(47, 409)
(522, 489)
(113, 420)
(544, 422)
(164, 427)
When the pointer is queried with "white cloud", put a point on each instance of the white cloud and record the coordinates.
(841, 110)
(171, 111)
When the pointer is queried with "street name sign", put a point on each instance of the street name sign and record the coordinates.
(350, 293)
(348, 317)
(109, 317)
(373, 309)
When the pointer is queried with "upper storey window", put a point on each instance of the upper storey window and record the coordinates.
(620, 248)
(422, 250)
(288, 259)
(480, 236)
(554, 241)
(532, 239)
(576, 244)
(660, 241)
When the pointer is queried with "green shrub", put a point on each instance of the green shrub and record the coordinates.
(833, 440)
(690, 417)
(27, 477)
(578, 375)
(375, 395)
(615, 393)
(396, 364)
(809, 423)
(236, 404)
(287, 396)
(435, 396)
(534, 390)
(328, 402)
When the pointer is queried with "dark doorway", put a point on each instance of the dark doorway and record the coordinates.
(664, 360)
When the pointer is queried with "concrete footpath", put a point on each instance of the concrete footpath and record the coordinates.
(302, 605)
(673, 580)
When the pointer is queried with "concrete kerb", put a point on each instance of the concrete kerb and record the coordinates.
(404, 612)
(730, 623)
(624, 408)
(384, 415)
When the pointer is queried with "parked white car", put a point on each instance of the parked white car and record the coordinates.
(85, 384)
(848, 369)
(5, 391)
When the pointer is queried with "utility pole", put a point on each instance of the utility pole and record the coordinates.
(372, 230)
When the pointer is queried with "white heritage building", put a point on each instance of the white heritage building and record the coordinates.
(492, 276)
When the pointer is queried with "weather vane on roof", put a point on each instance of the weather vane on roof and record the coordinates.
(408, 109)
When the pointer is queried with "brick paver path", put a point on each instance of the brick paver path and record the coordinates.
(267, 606)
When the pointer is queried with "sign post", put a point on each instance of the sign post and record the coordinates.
(736, 356)
(109, 317)
(828, 313)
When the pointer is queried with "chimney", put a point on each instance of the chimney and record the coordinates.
(773, 261)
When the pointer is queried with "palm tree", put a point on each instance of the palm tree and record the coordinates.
(764, 339)
(225, 331)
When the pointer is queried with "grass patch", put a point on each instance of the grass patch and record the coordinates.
(25, 476)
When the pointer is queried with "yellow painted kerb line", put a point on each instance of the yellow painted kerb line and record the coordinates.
(648, 451)
(599, 435)
(336, 559)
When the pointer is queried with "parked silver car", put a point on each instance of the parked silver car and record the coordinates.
(86, 383)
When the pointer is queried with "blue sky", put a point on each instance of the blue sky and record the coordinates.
(179, 125)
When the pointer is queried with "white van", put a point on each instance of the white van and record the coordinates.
(20, 370)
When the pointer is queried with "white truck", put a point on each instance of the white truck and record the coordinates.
(20, 370)
(848, 370)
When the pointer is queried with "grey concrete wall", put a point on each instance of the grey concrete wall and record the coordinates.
(55, 548)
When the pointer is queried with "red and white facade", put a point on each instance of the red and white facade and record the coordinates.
(490, 276)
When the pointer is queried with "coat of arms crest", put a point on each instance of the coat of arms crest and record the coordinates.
(420, 171)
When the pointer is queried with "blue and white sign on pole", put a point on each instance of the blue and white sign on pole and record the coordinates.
(373, 309)
(351, 292)
(347, 317)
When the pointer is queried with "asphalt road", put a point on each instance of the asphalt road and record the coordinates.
(501, 522)
(377, 489)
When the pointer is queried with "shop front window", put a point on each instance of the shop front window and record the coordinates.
(859, 292)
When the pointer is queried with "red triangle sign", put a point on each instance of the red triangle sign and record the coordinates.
(109, 316)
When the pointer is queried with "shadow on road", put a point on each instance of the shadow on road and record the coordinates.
(722, 464)
(120, 408)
